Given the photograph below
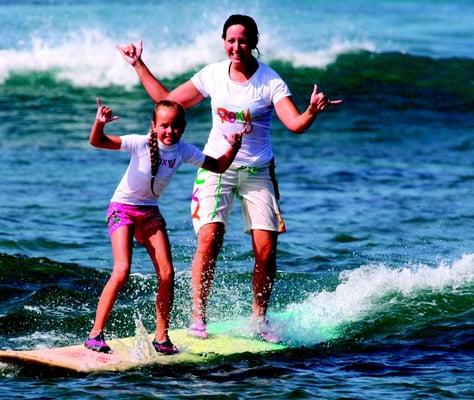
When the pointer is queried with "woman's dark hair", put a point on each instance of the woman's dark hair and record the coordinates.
(153, 139)
(248, 23)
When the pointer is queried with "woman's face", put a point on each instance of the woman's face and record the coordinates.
(237, 44)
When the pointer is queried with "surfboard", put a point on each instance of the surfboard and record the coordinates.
(138, 352)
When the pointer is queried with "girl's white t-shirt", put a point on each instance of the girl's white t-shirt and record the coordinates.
(235, 105)
(135, 186)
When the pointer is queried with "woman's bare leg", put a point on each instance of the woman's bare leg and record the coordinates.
(264, 248)
(210, 239)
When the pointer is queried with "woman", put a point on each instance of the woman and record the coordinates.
(243, 91)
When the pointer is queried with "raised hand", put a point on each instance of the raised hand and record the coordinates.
(104, 113)
(130, 52)
(319, 100)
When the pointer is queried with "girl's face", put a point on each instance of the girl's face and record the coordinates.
(237, 44)
(167, 126)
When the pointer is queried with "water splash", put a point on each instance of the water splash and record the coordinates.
(363, 292)
(142, 344)
(9, 370)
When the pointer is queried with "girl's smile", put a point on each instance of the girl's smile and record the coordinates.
(167, 126)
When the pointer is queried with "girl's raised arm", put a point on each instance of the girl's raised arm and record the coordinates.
(97, 137)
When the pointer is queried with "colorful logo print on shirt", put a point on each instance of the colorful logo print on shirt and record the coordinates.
(239, 117)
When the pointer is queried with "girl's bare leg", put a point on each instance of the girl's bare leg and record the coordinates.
(158, 247)
(122, 254)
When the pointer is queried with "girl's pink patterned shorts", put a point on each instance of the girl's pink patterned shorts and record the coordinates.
(145, 219)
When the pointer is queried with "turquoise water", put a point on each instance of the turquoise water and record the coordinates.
(375, 275)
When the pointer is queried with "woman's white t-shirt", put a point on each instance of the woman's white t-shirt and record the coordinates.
(238, 104)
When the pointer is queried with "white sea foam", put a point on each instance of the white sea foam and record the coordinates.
(9, 370)
(54, 311)
(320, 58)
(360, 292)
(89, 57)
(86, 58)
(35, 309)
(41, 340)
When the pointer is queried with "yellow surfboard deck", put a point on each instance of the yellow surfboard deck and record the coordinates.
(136, 352)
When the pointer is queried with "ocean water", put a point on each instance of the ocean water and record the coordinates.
(375, 282)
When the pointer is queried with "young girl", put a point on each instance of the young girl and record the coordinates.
(133, 210)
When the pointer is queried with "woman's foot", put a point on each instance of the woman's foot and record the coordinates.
(264, 330)
(198, 329)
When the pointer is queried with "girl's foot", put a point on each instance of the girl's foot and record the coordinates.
(165, 347)
(97, 343)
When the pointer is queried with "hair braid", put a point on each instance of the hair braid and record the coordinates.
(154, 157)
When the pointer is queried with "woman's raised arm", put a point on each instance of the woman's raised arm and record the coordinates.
(186, 94)
(297, 122)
